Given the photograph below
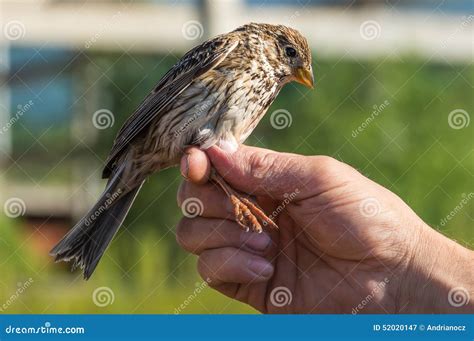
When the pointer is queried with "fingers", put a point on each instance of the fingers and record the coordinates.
(227, 254)
(197, 235)
(212, 200)
(263, 172)
(195, 166)
(232, 265)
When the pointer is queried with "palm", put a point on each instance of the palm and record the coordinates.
(330, 263)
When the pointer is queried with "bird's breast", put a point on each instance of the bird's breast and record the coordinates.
(221, 107)
(249, 94)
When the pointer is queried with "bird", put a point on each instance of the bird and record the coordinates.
(214, 95)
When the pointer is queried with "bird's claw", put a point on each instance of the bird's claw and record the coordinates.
(249, 216)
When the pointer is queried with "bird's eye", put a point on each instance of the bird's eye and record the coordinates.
(290, 52)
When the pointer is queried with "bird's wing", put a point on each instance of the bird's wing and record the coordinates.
(195, 63)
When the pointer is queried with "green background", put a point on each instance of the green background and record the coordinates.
(409, 148)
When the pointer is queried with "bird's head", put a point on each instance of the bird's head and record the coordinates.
(286, 50)
(294, 54)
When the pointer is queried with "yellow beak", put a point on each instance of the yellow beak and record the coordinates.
(305, 76)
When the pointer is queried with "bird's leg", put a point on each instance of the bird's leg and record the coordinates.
(247, 214)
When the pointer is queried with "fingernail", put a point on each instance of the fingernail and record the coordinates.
(184, 166)
(256, 241)
(260, 267)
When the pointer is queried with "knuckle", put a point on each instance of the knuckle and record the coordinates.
(327, 164)
(334, 171)
(261, 161)
(260, 164)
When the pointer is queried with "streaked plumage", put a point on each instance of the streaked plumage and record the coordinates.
(216, 94)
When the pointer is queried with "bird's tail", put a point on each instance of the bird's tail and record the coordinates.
(87, 241)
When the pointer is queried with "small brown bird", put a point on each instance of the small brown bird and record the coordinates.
(215, 95)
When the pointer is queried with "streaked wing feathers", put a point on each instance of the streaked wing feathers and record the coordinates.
(195, 63)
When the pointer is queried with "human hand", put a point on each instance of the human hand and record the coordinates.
(345, 244)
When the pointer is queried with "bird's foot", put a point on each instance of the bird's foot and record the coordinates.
(249, 216)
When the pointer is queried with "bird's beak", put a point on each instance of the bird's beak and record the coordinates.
(305, 76)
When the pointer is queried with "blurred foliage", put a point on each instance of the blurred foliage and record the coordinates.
(409, 147)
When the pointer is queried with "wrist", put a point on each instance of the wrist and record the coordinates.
(438, 277)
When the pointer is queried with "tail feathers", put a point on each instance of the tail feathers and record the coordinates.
(87, 241)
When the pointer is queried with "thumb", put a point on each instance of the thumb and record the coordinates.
(264, 172)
